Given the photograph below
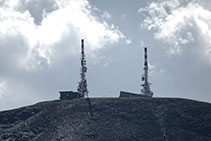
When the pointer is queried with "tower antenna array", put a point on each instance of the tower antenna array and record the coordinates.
(146, 85)
(82, 87)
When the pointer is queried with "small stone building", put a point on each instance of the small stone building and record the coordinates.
(128, 95)
(69, 95)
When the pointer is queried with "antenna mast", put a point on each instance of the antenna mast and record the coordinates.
(146, 85)
(82, 87)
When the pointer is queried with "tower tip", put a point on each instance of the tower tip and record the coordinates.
(145, 49)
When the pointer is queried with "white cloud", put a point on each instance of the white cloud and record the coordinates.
(3, 85)
(123, 16)
(179, 23)
(151, 67)
(71, 18)
(141, 43)
(106, 15)
(11, 3)
(128, 41)
(40, 46)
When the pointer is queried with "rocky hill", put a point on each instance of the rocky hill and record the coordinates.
(107, 119)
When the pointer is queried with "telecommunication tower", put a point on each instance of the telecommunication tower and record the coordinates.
(146, 85)
(82, 87)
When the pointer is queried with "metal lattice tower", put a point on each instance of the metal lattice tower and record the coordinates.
(146, 85)
(82, 87)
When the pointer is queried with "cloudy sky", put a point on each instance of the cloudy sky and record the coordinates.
(40, 48)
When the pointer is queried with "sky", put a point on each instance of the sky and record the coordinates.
(40, 48)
